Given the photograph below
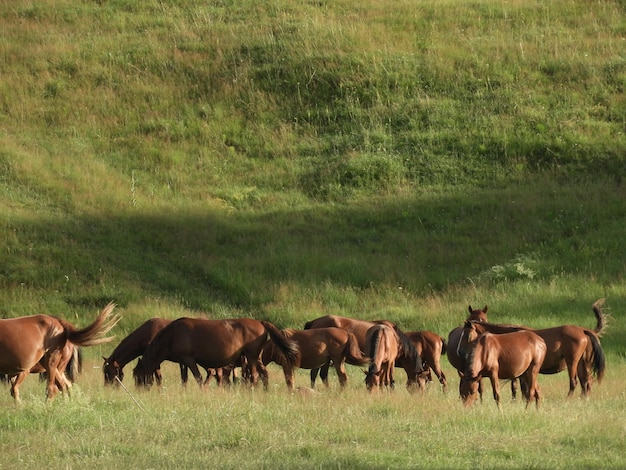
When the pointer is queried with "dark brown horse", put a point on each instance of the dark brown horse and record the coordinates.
(430, 346)
(214, 343)
(570, 347)
(130, 348)
(316, 348)
(40, 340)
(360, 328)
(501, 356)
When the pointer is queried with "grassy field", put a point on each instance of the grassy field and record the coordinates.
(101, 427)
(285, 160)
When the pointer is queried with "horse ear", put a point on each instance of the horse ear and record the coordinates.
(485, 309)
(470, 309)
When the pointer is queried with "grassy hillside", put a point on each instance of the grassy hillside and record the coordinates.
(290, 159)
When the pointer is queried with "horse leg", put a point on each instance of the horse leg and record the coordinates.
(341, 373)
(193, 366)
(314, 373)
(573, 380)
(158, 377)
(514, 388)
(324, 373)
(495, 386)
(184, 374)
(15, 384)
(288, 371)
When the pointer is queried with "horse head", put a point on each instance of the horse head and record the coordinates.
(478, 315)
(112, 372)
(372, 377)
(143, 378)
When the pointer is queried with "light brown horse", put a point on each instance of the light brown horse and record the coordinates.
(501, 356)
(214, 343)
(360, 328)
(572, 348)
(40, 340)
(455, 355)
(430, 346)
(316, 348)
(382, 345)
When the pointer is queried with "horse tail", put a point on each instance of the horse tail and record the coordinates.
(288, 347)
(373, 350)
(354, 355)
(407, 349)
(444, 345)
(95, 333)
(601, 318)
(599, 359)
(75, 364)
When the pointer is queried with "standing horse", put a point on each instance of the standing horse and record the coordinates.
(501, 356)
(430, 346)
(316, 348)
(570, 347)
(360, 328)
(27, 342)
(214, 343)
(455, 357)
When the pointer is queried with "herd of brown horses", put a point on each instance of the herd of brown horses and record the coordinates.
(477, 349)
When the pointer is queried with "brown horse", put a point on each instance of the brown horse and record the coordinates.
(382, 345)
(27, 342)
(570, 347)
(214, 343)
(501, 356)
(130, 348)
(360, 328)
(430, 346)
(455, 357)
(316, 348)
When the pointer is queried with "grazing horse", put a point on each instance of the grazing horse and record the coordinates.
(316, 348)
(214, 343)
(382, 345)
(501, 356)
(130, 348)
(360, 328)
(430, 346)
(39, 342)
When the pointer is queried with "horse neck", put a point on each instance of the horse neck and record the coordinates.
(156, 351)
(129, 348)
(474, 363)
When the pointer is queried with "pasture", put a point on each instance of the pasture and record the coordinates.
(233, 428)
(284, 160)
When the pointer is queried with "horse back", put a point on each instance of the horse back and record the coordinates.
(25, 340)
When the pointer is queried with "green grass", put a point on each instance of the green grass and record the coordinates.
(287, 160)
(100, 427)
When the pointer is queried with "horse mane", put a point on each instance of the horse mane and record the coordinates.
(408, 350)
(498, 328)
(288, 332)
